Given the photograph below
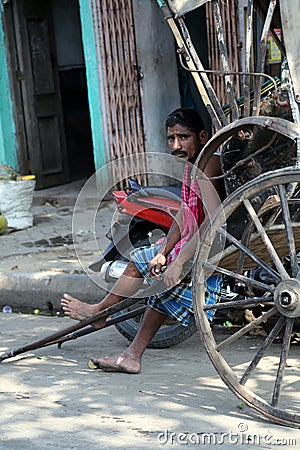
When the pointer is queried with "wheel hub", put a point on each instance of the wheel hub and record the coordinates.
(287, 298)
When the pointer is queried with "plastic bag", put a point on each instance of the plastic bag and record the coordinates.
(16, 202)
(7, 173)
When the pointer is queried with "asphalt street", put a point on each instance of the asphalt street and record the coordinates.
(51, 400)
(49, 397)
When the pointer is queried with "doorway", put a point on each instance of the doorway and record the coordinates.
(52, 98)
(73, 88)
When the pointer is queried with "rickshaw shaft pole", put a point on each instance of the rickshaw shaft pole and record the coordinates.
(90, 329)
(48, 340)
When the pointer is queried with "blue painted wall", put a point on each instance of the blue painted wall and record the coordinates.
(8, 141)
(93, 82)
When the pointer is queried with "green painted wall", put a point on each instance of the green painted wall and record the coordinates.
(8, 142)
(93, 82)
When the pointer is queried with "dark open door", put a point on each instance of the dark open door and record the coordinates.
(40, 92)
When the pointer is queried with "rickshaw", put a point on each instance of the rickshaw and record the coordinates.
(253, 239)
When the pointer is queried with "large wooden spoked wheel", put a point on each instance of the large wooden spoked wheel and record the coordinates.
(264, 262)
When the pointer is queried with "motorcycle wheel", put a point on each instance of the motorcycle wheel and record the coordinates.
(171, 333)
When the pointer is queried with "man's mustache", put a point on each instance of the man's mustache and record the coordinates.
(180, 153)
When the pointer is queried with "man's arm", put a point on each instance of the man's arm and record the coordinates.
(174, 234)
(210, 200)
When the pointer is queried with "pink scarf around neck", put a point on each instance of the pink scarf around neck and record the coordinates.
(192, 212)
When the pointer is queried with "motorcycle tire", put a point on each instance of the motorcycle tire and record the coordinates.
(172, 333)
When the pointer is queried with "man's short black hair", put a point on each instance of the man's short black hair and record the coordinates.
(187, 117)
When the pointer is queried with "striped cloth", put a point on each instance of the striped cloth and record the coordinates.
(192, 213)
(176, 301)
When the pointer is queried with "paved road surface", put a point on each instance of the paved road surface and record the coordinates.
(51, 400)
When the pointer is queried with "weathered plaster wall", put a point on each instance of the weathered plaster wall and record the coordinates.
(159, 85)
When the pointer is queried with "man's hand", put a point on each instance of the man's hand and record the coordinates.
(156, 264)
(171, 276)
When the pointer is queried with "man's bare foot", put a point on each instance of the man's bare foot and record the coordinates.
(79, 310)
(117, 363)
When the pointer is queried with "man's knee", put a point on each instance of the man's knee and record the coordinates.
(132, 270)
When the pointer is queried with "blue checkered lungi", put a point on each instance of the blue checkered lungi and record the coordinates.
(176, 301)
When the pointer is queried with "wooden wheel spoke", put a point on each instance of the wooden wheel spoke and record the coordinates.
(259, 257)
(246, 328)
(283, 359)
(242, 278)
(263, 348)
(266, 240)
(249, 253)
(289, 232)
(249, 302)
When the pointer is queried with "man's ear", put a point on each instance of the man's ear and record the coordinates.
(203, 136)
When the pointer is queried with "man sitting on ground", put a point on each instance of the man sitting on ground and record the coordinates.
(186, 137)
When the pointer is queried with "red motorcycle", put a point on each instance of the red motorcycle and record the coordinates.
(144, 216)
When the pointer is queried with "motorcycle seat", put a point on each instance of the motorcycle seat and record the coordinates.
(169, 192)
